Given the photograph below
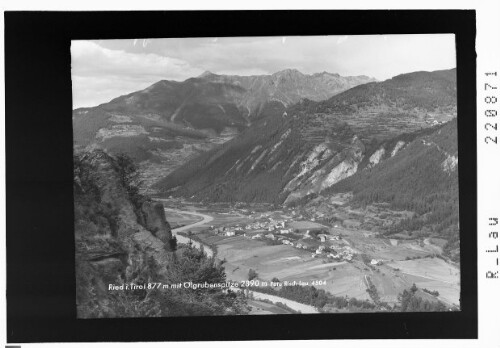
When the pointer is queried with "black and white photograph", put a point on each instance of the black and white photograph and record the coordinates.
(225, 176)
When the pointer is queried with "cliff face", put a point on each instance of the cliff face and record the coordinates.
(117, 232)
(154, 220)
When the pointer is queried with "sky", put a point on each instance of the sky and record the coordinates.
(105, 69)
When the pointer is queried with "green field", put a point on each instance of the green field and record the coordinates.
(395, 274)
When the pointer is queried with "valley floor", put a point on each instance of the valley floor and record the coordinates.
(241, 238)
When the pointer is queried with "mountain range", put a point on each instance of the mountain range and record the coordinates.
(170, 121)
(391, 142)
(294, 139)
(313, 145)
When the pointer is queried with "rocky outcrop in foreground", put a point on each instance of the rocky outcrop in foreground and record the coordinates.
(117, 231)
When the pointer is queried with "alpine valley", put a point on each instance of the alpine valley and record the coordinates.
(165, 124)
(347, 186)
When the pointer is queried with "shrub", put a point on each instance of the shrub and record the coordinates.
(252, 274)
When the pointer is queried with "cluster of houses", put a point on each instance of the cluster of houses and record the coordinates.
(271, 225)
(276, 230)
(227, 231)
(322, 237)
(269, 236)
(262, 236)
(276, 226)
(345, 253)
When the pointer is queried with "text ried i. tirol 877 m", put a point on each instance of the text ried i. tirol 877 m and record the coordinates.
(266, 175)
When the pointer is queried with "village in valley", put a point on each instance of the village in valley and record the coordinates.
(319, 241)
(328, 244)
(313, 190)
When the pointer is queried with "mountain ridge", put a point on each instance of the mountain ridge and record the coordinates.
(311, 147)
(169, 121)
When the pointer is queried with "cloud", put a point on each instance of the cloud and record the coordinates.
(265, 54)
(142, 62)
(97, 72)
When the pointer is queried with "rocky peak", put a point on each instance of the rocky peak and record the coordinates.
(325, 73)
(206, 74)
(288, 73)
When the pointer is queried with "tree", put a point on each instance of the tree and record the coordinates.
(409, 302)
(252, 274)
(365, 258)
(173, 243)
(413, 288)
